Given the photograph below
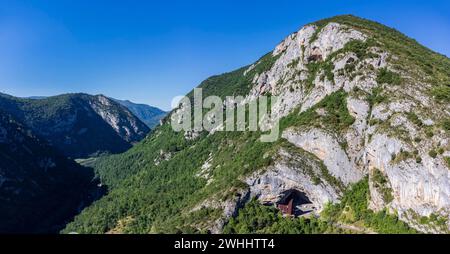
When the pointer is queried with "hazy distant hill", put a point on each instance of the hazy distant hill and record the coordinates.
(36, 97)
(147, 114)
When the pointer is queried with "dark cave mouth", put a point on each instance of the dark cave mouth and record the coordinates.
(295, 203)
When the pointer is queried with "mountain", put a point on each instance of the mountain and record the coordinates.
(36, 97)
(147, 114)
(364, 146)
(40, 190)
(78, 125)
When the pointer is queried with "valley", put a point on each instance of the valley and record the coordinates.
(41, 187)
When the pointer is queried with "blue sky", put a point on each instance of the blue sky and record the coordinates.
(151, 51)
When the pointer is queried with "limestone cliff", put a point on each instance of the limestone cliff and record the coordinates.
(401, 134)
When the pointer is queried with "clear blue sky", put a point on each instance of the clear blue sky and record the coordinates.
(151, 51)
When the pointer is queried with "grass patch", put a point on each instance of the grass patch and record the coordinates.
(376, 97)
(414, 119)
(446, 124)
(314, 68)
(433, 154)
(447, 160)
(336, 115)
(381, 183)
(441, 93)
(386, 76)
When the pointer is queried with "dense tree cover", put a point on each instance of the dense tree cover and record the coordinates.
(44, 109)
(257, 218)
(235, 83)
(114, 168)
(158, 197)
(353, 209)
(40, 190)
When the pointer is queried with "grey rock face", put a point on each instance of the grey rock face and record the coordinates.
(125, 124)
(327, 149)
(291, 173)
(422, 188)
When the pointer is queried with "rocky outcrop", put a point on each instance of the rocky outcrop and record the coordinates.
(287, 77)
(124, 123)
(293, 171)
(328, 150)
(421, 188)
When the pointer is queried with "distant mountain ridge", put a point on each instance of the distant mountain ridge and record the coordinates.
(79, 125)
(36, 97)
(147, 114)
(40, 189)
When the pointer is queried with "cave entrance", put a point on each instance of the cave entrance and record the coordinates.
(295, 203)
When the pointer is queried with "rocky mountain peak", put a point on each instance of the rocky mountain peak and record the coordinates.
(399, 125)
